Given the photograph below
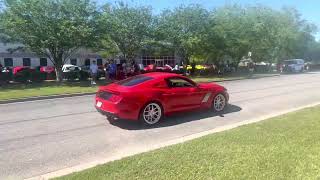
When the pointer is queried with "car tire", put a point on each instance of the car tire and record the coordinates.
(219, 102)
(151, 114)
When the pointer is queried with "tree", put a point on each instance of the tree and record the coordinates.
(52, 28)
(228, 33)
(184, 27)
(127, 27)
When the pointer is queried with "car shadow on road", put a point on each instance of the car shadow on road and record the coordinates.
(175, 119)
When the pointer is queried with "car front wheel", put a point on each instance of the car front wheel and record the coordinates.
(219, 102)
(151, 114)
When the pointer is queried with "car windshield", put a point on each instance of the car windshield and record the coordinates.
(290, 62)
(134, 80)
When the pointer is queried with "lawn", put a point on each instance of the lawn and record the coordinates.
(17, 91)
(285, 147)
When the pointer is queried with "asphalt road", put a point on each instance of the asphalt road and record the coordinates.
(44, 136)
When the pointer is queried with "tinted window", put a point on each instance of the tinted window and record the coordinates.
(26, 62)
(179, 82)
(43, 62)
(134, 80)
(8, 62)
(73, 61)
(290, 62)
(99, 62)
(87, 62)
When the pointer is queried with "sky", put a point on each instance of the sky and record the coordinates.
(309, 9)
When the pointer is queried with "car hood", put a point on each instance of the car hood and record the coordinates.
(210, 85)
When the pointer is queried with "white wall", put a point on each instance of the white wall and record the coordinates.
(5, 46)
(19, 61)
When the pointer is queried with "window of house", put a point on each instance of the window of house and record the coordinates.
(99, 62)
(8, 62)
(73, 61)
(43, 62)
(87, 62)
(26, 61)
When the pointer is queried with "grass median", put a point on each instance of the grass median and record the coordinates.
(18, 91)
(285, 147)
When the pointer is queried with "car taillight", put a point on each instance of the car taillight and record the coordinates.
(108, 96)
(114, 98)
(104, 95)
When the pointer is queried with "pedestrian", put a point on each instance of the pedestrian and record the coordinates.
(112, 70)
(93, 72)
(176, 67)
(193, 68)
(106, 70)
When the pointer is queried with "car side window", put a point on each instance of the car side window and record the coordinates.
(179, 82)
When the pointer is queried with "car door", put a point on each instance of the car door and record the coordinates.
(182, 94)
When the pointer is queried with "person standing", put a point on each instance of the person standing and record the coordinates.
(112, 70)
(106, 70)
(93, 72)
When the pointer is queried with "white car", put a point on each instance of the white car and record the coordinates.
(70, 68)
(293, 65)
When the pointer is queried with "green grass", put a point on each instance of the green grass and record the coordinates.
(285, 147)
(16, 91)
(212, 79)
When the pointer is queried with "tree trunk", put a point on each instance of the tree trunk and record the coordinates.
(58, 66)
(59, 74)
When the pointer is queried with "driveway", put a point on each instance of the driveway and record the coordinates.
(43, 136)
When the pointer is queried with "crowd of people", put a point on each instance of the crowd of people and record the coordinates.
(121, 71)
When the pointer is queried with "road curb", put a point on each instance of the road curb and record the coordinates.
(183, 139)
(36, 98)
(238, 79)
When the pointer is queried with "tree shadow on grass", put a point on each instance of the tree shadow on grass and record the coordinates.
(175, 119)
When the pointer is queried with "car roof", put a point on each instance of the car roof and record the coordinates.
(157, 75)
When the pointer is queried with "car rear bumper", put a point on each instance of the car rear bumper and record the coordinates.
(120, 110)
(106, 113)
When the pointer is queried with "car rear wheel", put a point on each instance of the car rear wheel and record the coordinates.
(151, 114)
(219, 102)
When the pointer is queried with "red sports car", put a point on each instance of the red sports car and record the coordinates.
(149, 97)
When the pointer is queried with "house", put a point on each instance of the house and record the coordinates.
(11, 58)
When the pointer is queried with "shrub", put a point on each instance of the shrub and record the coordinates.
(84, 75)
(22, 76)
(37, 76)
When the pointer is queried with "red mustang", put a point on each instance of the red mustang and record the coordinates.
(151, 96)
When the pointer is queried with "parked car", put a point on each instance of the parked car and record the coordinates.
(293, 65)
(71, 72)
(49, 71)
(149, 97)
(28, 74)
(5, 75)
